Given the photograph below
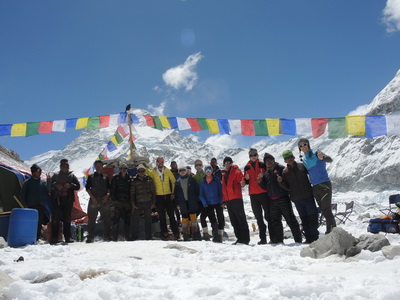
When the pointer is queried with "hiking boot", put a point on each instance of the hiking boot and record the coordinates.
(177, 238)
(165, 236)
(89, 241)
(186, 237)
(69, 241)
(262, 242)
(206, 236)
(196, 236)
(217, 239)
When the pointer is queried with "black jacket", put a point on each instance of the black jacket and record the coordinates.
(295, 180)
(270, 183)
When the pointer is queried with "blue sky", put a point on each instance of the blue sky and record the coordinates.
(235, 59)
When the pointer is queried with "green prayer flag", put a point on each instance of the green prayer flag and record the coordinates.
(337, 128)
(32, 128)
(157, 123)
(260, 127)
(94, 123)
(202, 123)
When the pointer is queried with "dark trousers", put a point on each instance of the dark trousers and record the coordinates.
(105, 212)
(211, 211)
(62, 210)
(122, 210)
(283, 207)
(261, 203)
(203, 217)
(323, 196)
(308, 213)
(238, 220)
(40, 209)
(144, 207)
(167, 206)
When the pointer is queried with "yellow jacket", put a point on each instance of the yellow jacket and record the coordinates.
(166, 186)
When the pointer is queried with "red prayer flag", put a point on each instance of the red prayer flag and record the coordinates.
(194, 124)
(104, 121)
(46, 127)
(247, 127)
(318, 126)
(122, 131)
(149, 120)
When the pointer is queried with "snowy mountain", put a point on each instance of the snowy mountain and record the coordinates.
(359, 164)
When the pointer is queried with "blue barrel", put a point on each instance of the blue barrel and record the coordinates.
(4, 221)
(22, 227)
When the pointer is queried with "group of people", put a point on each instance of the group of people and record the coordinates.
(190, 199)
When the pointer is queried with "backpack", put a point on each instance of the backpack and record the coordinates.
(383, 225)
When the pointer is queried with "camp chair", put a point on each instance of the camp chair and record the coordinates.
(322, 220)
(393, 199)
(344, 215)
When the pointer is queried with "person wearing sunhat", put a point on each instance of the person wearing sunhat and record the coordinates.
(35, 194)
(295, 180)
(315, 163)
(187, 198)
(280, 201)
(232, 183)
(260, 203)
(63, 187)
(143, 199)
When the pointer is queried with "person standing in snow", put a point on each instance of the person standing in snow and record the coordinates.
(232, 183)
(35, 194)
(98, 187)
(280, 202)
(174, 170)
(120, 195)
(164, 182)
(143, 197)
(295, 180)
(63, 187)
(315, 162)
(211, 198)
(187, 198)
(198, 164)
(216, 169)
(260, 203)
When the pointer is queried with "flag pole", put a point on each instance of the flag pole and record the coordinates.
(129, 121)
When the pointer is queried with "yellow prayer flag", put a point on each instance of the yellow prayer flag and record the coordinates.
(212, 126)
(81, 123)
(165, 122)
(18, 129)
(273, 126)
(114, 140)
(355, 125)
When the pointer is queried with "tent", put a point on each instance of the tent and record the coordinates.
(11, 181)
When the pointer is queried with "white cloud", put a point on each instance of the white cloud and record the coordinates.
(157, 110)
(223, 141)
(183, 76)
(391, 15)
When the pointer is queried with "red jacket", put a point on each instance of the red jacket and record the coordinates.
(231, 188)
(254, 187)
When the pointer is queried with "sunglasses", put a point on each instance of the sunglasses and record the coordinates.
(141, 171)
(182, 170)
(208, 170)
(253, 155)
(198, 165)
(289, 157)
(303, 145)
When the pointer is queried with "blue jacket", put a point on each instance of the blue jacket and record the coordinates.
(211, 193)
(316, 168)
(35, 192)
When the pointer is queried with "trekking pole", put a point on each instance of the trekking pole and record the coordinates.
(19, 203)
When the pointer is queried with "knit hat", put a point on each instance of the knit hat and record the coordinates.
(34, 168)
(252, 152)
(229, 159)
(268, 156)
(303, 141)
(124, 166)
(140, 167)
(287, 153)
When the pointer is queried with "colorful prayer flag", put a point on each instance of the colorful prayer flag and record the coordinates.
(375, 126)
(18, 129)
(355, 125)
(212, 126)
(336, 128)
(273, 126)
(260, 127)
(81, 123)
(248, 127)
(318, 127)
(46, 127)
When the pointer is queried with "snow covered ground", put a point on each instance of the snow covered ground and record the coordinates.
(184, 270)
